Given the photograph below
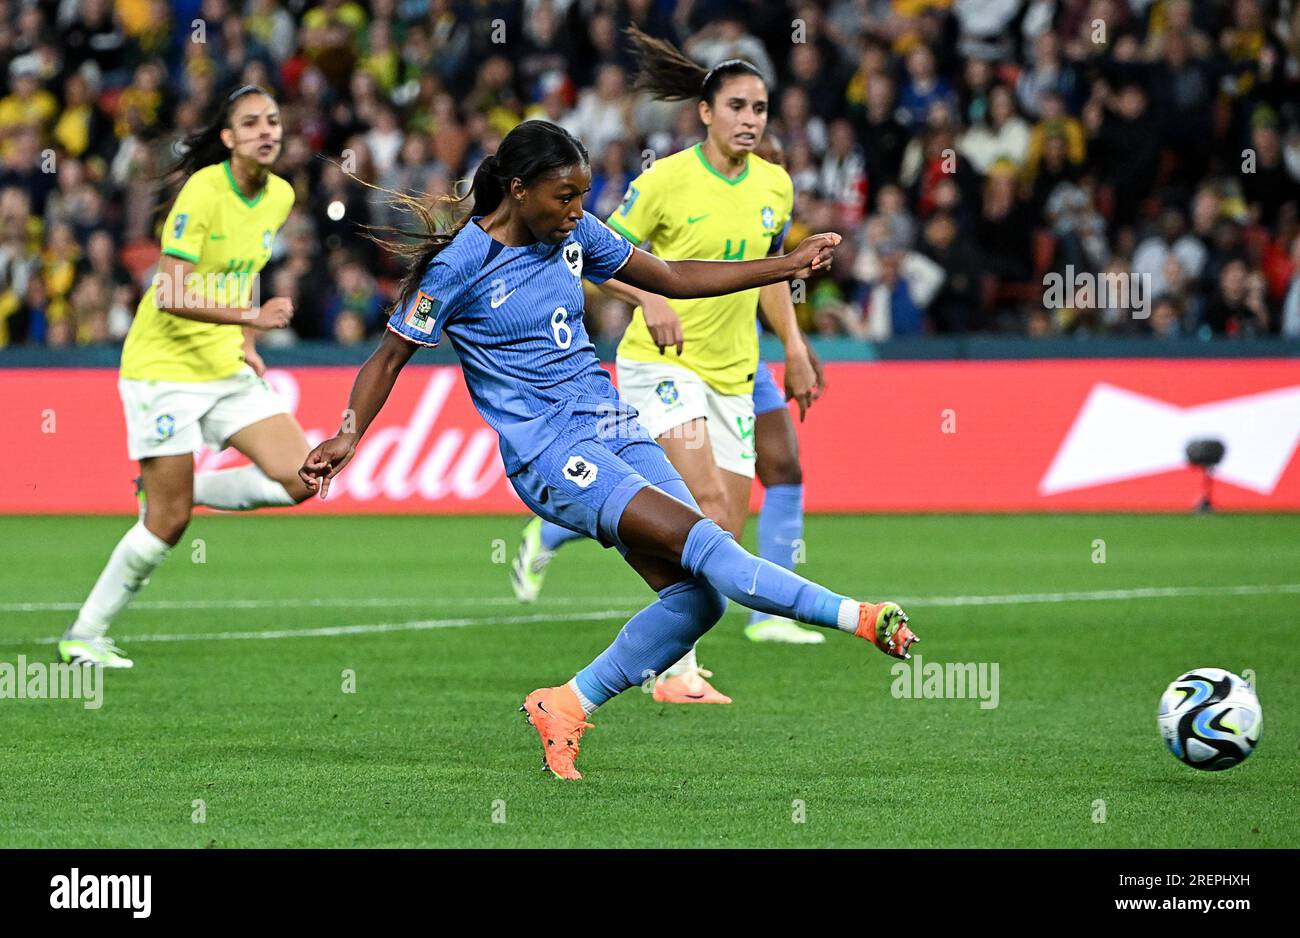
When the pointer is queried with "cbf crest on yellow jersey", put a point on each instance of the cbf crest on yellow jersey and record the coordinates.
(227, 237)
(685, 208)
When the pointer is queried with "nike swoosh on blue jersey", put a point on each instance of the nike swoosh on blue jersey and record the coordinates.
(495, 303)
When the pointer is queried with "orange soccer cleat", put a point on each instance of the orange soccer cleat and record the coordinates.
(559, 720)
(689, 688)
(885, 626)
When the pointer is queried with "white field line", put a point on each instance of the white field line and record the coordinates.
(385, 602)
(1141, 592)
(632, 603)
(335, 602)
(327, 631)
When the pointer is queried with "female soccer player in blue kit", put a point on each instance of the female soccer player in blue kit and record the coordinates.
(504, 284)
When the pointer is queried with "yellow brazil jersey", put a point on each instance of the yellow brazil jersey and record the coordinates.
(685, 208)
(228, 239)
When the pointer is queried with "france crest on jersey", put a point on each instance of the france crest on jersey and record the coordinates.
(514, 316)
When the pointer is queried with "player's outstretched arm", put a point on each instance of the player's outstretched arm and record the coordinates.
(661, 319)
(172, 295)
(687, 280)
(369, 392)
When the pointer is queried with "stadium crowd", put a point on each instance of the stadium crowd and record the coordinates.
(965, 148)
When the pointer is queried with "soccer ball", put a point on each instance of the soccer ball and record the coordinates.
(1210, 719)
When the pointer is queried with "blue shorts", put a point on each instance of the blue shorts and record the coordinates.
(767, 396)
(586, 477)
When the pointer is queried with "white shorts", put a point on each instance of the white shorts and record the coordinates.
(668, 396)
(170, 418)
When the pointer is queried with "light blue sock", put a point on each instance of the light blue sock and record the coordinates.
(653, 640)
(780, 528)
(553, 535)
(713, 554)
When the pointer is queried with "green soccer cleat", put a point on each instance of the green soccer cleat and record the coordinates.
(885, 626)
(101, 651)
(777, 629)
(528, 569)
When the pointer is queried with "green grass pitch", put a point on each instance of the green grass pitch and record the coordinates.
(431, 751)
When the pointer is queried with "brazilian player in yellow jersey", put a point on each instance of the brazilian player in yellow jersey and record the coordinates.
(684, 207)
(191, 375)
(689, 366)
(226, 236)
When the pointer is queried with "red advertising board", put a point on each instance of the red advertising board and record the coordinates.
(1050, 435)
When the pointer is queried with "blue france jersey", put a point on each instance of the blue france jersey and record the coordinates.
(514, 316)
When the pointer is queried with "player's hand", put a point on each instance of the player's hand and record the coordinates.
(800, 378)
(664, 324)
(275, 313)
(254, 360)
(326, 461)
(813, 255)
(820, 387)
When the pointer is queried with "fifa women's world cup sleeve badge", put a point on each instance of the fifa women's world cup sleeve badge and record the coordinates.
(423, 312)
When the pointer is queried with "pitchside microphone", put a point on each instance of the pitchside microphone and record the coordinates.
(1205, 454)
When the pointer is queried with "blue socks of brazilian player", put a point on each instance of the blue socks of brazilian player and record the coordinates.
(553, 536)
(135, 557)
(651, 642)
(241, 489)
(712, 554)
(780, 529)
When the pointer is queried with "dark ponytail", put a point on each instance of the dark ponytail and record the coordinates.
(667, 74)
(532, 149)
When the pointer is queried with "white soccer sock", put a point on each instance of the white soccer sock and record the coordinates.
(687, 665)
(136, 555)
(587, 706)
(850, 611)
(239, 489)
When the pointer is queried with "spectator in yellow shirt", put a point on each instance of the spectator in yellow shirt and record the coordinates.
(82, 127)
(27, 106)
(332, 12)
(1055, 122)
(59, 261)
(347, 12)
(381, 58)
(143, 97)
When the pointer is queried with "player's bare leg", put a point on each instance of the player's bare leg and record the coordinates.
(277, 447)
(167, 482)
(691, 453)
(780, 523)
